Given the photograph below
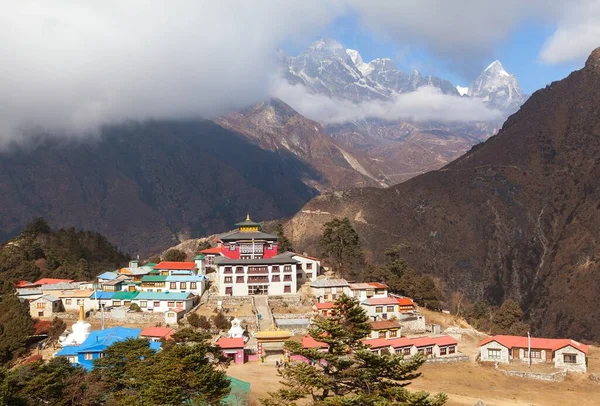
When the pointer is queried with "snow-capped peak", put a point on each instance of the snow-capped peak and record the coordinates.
(326, 44)
(355, 56)
(462, 90)
(496, 68)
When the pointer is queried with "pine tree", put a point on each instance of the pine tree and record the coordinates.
(348, 373)
(283, 243)
(175, 255)
(16, 326)
(340, 245)
(57, 327)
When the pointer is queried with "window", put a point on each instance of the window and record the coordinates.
(429, 350)
(393, 333)
(325, 297)
(228, 269)
(370, 292)
(79, 302)
(275, 278)
(534, 354)
(229, 290)
(179, 304)
(239, 279)
(41, 314)
(452, 350)
(193, 285)
(67, 301)
(228, 279)
(309, 275)
(570, 358)
(287, 278)
(275, 268)
(327, 290)
(239, 269)
(494, 353)
(156, 304)
(299, 275)
(143, 303)
(287, 268)
(270, 246)
(171, 304)
(443, 350)
(173, 285)
(88, 356)
(287, 289)
(382, 334)
(231, 247)
(334, 297)
(384, 316)
(298, 267)
(406, 351)
(127, 303)
(40, 305)
(182, 285)
(309, 266)
(390, 309)
(379, 309)
(116, 303)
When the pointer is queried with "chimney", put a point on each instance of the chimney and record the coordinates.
(133, 263)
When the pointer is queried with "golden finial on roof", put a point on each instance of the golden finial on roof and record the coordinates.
(248, 216)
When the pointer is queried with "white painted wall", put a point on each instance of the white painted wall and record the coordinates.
(504, 353)
(389, 315)
(241, 288)
(580, 366)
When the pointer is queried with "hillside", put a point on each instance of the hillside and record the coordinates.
(516, 217)
(146, 186)
(39, 252)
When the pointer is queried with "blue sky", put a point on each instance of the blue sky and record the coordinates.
(519, 54)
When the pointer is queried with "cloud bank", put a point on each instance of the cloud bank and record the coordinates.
(424, 104)
(69, 66)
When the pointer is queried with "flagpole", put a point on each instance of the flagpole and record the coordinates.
(529, 348)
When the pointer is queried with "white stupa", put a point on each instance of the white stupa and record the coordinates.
(81, 330)
(236, 330)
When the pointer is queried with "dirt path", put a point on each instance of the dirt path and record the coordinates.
(262, 307)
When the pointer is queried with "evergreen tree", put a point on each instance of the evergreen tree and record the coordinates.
(283, 243)
(340, 245)
(221, 322)
(199, 322)
(507, 319)
(16, 326)
(348, 373)
(175, 255)
(57, 327)
(204, 245)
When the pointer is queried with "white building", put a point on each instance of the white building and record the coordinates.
(367, 290)
(72, 299)
(328, 290)
(385, 308)
(164, 301)
(429, 347)
(563, 353)
(307, 269)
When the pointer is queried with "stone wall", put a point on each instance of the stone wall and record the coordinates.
(448, 360)
(413, 324)
(550, 377)
(307, 316)
(131, 317)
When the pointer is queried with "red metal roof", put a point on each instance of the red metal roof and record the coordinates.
(228, 343)
(405, 301)
(378, 285)
(409, 342)
(158, 332)
(552, 344)
(175, 265)
(325, 305)
(22, 284)
(214, 250)
(309, 342)
(51, 281)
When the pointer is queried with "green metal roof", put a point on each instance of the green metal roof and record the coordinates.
(125, 295)
(200, 256)
(154, 278)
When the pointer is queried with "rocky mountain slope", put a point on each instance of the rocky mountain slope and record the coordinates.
(275, 126)
(148, 186)
(396, 150)
(517, 216)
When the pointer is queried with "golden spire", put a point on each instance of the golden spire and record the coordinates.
(248, 216)
(81, 312)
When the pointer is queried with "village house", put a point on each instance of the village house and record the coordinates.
(384, 308)
(153, 283)
(113, 285)
(180, 267)
(233, 347)
(134, 271)
(173, 316)
(71, 299)
(307, 268)
(429, 347)
(385, 329)
(45, 306)
(55, 288)
(562, 353)
(122, 298)
(101, 299)
(323, 309)
(209, 256)
(186, 283)
(164, 301)
(364, 291)
(328, 290)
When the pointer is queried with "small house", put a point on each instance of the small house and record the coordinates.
(45, 306)
(156, 334)
(385, 329)
(328, 290)
(234, 348)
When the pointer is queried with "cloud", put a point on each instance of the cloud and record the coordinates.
(424, 104)
(577, 34)
(69, 66)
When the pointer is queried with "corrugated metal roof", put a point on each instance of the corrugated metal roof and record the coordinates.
(124, 295)
(175, 265)
(247, 236)
(327, 283)
(102, 295)
(154, 278)
(59, 286)
(108, 276)
(185, 278)
(164, 296)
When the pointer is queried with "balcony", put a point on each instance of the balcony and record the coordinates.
(258, 270)
(258, 279)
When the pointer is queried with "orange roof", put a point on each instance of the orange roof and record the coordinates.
(384, 325)
(228, 343)
(51, 281)
(409, 342)
(22, 284)
(214, 250)
(158, 332)
(405, 301)
(325, 305)
(376, 342)
(429, 341)
(175, 265)
(552, 344)
(309, 342)
(378, 285)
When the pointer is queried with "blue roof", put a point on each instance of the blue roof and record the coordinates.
(69, 350)
(163, 296)
(100, 294)
(186, 278)
(108, 276)
(98, 340)
(155, 345)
